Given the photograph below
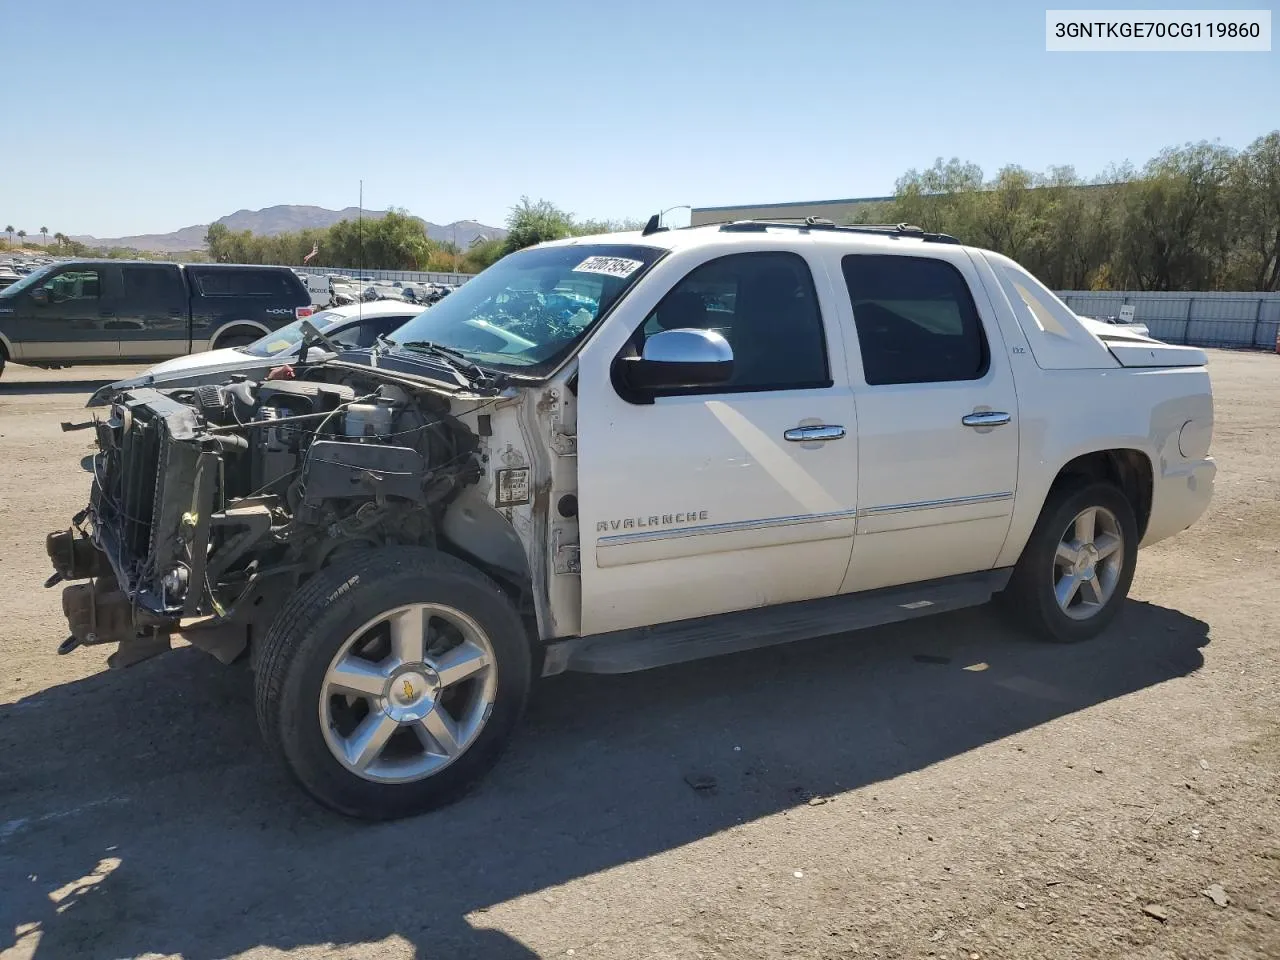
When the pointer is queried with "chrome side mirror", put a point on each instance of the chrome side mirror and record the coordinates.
(675, 359)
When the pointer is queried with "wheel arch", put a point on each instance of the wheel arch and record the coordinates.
(258, 330)
(1129, 469)
(6, 349)
(1127, 465)
(471, 531)
(477, 532)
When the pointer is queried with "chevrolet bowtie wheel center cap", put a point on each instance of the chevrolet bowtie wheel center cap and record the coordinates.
(411, 694)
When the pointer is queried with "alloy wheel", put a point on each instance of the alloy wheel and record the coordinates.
(1088, 563)
(408, 692)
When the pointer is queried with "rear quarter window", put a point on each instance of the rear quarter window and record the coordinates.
(249, 283)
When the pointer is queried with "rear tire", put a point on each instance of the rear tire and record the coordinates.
(1075, 571)
(366, 723)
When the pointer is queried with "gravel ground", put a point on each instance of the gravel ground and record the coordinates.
(937, 789)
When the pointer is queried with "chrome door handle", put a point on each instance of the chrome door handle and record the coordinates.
(822, 431)
(987, 418)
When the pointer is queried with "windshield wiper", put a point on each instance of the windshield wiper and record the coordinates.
(430, 346)
(478, 375)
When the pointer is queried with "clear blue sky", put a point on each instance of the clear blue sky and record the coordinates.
(145, 116)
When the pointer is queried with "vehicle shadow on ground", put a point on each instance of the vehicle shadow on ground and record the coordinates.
(20, 387)
(154, 823)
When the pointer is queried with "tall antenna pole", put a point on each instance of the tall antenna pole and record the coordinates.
(360, 247)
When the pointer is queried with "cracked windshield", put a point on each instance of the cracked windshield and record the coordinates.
(527, 311)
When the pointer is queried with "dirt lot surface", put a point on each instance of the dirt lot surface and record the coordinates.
(941, 789)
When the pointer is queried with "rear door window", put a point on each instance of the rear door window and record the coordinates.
(248, 283)
(916, 320)
(152, 287)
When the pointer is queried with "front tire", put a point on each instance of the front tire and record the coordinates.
(1075, 571)
(392, 681)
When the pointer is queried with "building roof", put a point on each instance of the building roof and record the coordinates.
(793, 203)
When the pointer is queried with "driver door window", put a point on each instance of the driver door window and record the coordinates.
(765, 306)
(73, 286)
(64, 318)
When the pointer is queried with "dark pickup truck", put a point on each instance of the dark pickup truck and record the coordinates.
(109, 311)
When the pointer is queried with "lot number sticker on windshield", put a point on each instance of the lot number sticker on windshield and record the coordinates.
(609, 266)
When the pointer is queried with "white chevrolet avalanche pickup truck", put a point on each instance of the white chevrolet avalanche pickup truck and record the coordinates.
(616, 452)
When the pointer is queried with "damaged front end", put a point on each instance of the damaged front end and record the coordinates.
(211, 503)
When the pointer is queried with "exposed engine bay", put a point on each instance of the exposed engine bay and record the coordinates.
(209, 500)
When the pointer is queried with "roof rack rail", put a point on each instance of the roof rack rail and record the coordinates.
(818, 223)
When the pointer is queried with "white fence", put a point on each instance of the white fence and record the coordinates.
(1201, 319)
(407, 276)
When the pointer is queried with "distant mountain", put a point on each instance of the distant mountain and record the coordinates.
(284, 219)
(188, 238)
(464, 232)
(288, 218)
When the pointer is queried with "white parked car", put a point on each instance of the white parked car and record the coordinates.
(354, 326)
(617, 452)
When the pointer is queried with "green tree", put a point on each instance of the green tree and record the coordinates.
(22, 237)
(1004, 215)
(215, 238)
(482, 254)
(1254, 205)
(44, 235)
(529, 223)
(1174, 225)
(1076, 236)
(586, 228)
(399, 240)
(1196, 217)
(941, 198)
(59, 238)
(9, 231)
